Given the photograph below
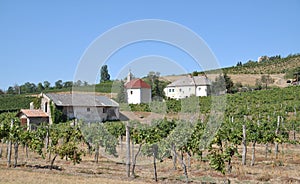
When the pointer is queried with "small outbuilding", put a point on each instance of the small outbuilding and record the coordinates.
(138, 91)
(32, 118)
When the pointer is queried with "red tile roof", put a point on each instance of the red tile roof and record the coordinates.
(136, 84)
(33, 113)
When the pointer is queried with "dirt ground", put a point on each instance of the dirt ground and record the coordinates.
(285, 169)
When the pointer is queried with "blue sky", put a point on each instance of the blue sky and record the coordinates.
(44, 40)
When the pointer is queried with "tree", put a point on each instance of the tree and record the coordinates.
(85, 83)
(58, 84)
(78, 83)
(68, 84)
(28, 87)
(267, 79)
(219, 85)
(1, 92)
(258, 84)
(104, 74)
(121, 97)
(40, 87)
(46, 84)
(239, 63)
(11, 90)
(228, 83)
(157, 86)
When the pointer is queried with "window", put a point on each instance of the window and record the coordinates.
(179, 89)
(46, 107)
(170, 90)
(199, 89)
(131, 92)
(173, 90)
(88, 109)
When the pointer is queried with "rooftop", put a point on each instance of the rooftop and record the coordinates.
(33, 113)
(136, 84)
(191, 81)
(79, 99)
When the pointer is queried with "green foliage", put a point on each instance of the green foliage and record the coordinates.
(65, 141)
(121, 92)
(157, 86)
(104, 87)
(96, 134)
(56, 114)
(14, 102)
(221, 84)
(216, 161)
(275, 65)
(35, 140)
(290, 74)
(37, 102)
(115, 128)
(104, 75)
(139, 107)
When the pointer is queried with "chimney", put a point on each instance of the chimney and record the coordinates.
(31, 106)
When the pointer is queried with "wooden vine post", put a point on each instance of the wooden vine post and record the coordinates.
(276, 133)
(244, 146)
(9, 146)
(127, 149)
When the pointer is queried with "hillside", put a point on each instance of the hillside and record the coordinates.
(271, 66)
(280, 69)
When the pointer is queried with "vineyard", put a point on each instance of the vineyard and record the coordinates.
(255, 138)
(14, 102)
(274, 66)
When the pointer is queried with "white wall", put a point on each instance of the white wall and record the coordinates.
(133, 96)
(46, 101)
(145, 95)
(201, 91)
(180, 92)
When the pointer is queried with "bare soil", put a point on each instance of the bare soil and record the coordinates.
(285, 169)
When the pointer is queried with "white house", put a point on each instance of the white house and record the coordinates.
(187, 86)
(138, 91)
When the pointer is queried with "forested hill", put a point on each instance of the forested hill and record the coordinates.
(268, 65)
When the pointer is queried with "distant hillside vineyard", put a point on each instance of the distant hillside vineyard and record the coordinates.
(274, 65)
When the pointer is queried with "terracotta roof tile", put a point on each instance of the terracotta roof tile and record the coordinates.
(33, 113)
(136, 84)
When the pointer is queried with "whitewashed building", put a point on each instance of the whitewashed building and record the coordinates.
(137, 91)
(86, 107)
(188, 86)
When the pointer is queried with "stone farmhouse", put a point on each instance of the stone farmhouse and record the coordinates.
(85, 107)
(137, 91)
(188, 86)
(29, 117)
